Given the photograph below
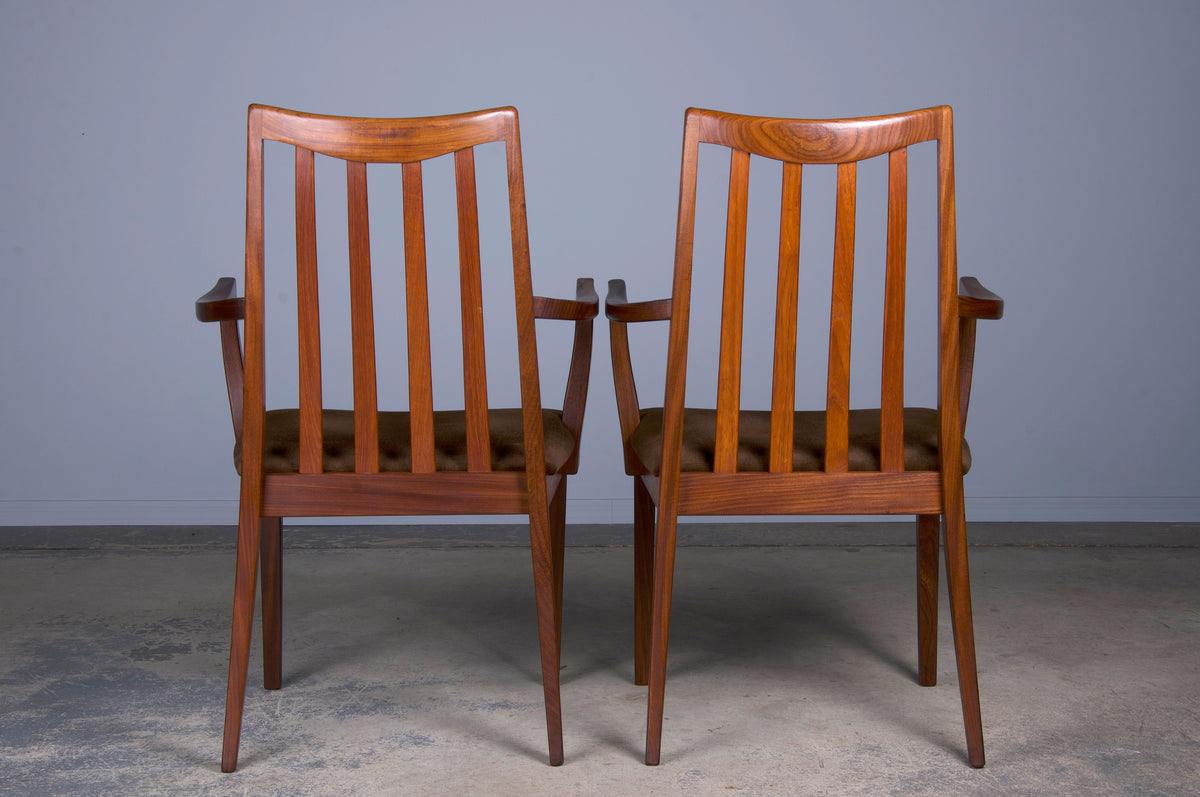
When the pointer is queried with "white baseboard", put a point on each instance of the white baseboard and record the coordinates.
(1127, 509)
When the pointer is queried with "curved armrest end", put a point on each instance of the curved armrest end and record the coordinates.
(584, 306)
(617, 306)
(221, 303)
(976, 301)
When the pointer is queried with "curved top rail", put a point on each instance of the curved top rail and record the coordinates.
(818, 140)
(369, 140)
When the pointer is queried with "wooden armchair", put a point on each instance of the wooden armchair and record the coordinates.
(315, 461)
(891, 459)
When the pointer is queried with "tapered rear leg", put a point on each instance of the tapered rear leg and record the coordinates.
(545, 594)
(643, 579)
(959, 585)
(271, 565)
(664, 572)
(239, 648)
(928, 536)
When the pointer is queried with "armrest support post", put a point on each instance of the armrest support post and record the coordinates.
(620, 312)
(222, 304)
(582, 309)
(974, 302)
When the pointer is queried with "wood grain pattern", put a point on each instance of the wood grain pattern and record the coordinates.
(266, 499)
(270, 550)
(385, 140)
(783, 379)
(362, 323)
(817, 141)
(581, 310)
(934, 496)
(222, 304)
(673, 401)
(841, 314)
(250, 497)
(308, 313)
(976, 301)
(583, 307)
(643, 579)
(729, 370)
(929, 529)
(853, 493)
(416, 282)
(892, 380)
(618, 308)
(399, 494)
(471, 286)
(620, 312)
(628, 412)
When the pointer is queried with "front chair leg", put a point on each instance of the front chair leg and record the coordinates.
(271, 561)
(643, 579)
(928, 534)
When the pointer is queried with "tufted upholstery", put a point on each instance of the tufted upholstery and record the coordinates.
(282, 441)
(808, 452)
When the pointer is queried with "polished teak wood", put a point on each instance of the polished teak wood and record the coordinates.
(664, 489)
(267, 496)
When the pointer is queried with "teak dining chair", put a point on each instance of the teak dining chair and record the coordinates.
(469, 458)
(893, 459)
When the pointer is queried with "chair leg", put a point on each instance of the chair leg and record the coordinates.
(643, 579)
(959, 585)
(558, 539)
(271, 565)
(928, 534)
(664, 571)
(545, 595)
(239, 647)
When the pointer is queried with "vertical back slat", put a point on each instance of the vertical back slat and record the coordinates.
(474, 363)
(420, 368)
(729, 379)
(837, 416)
(362, 323)
(308, 314)
(892, 399)
(783, 391)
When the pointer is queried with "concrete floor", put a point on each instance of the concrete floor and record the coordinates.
(411, 665)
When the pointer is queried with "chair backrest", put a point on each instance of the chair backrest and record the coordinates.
(797, 143)
(407, 142)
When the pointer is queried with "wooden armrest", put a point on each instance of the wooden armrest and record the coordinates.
(585, 305)
(976, 301)
(221, 303)
(620, 312)
(582, 309)
(617, 306)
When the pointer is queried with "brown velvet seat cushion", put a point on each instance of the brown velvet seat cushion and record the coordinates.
(808, 450)
(282, 441)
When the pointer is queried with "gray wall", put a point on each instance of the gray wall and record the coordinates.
(122, 200)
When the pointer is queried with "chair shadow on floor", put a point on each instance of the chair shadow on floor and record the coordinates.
(486, 622)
